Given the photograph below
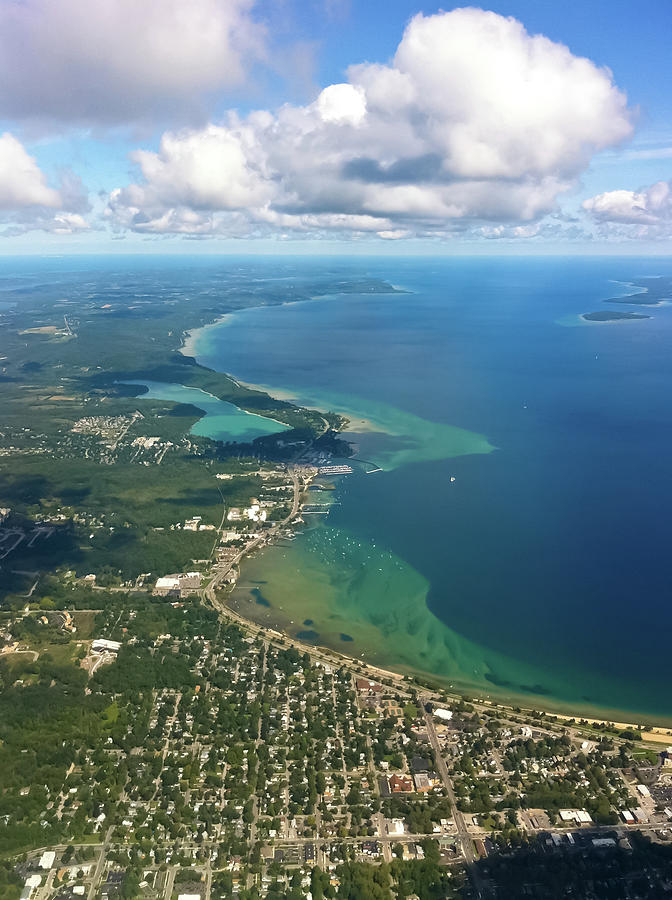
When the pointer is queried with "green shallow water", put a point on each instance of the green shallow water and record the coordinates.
(325, 573)
(392, 437)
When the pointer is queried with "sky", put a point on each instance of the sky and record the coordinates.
(335, 126)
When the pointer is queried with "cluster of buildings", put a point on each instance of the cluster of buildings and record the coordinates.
(73, 875)
(255, 512)
(419, 780)
(196, 524)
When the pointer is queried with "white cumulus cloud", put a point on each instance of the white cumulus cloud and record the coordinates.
(342, 103)
(115, 61)
(650, 207)
(26, 199)
(474, 122)
(22, 183)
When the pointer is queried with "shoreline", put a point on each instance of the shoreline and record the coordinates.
(415, 678)
(191, 336)
(552, 706)
(354, 425)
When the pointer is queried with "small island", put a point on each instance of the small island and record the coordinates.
(612, 316)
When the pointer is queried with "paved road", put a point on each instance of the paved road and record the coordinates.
(458, 818)
(97, 872)
(465, 838)
(170, 881)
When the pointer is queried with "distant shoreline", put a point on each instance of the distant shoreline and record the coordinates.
(190, 338)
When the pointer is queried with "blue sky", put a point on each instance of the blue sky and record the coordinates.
(141, 132)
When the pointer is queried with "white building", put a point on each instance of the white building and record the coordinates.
(167, 583)
(101, 644)
(255, 513)
(47, 859)
(444, 714)
(185, 581)
(580, 816)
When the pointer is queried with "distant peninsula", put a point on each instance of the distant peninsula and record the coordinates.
(612, 315)
(649, 291)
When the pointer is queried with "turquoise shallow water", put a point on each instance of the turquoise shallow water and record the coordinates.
(541, 568)
(221, 421)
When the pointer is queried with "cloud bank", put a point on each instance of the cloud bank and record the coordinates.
(474, 122)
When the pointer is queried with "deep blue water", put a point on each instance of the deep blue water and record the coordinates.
(554, 549)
